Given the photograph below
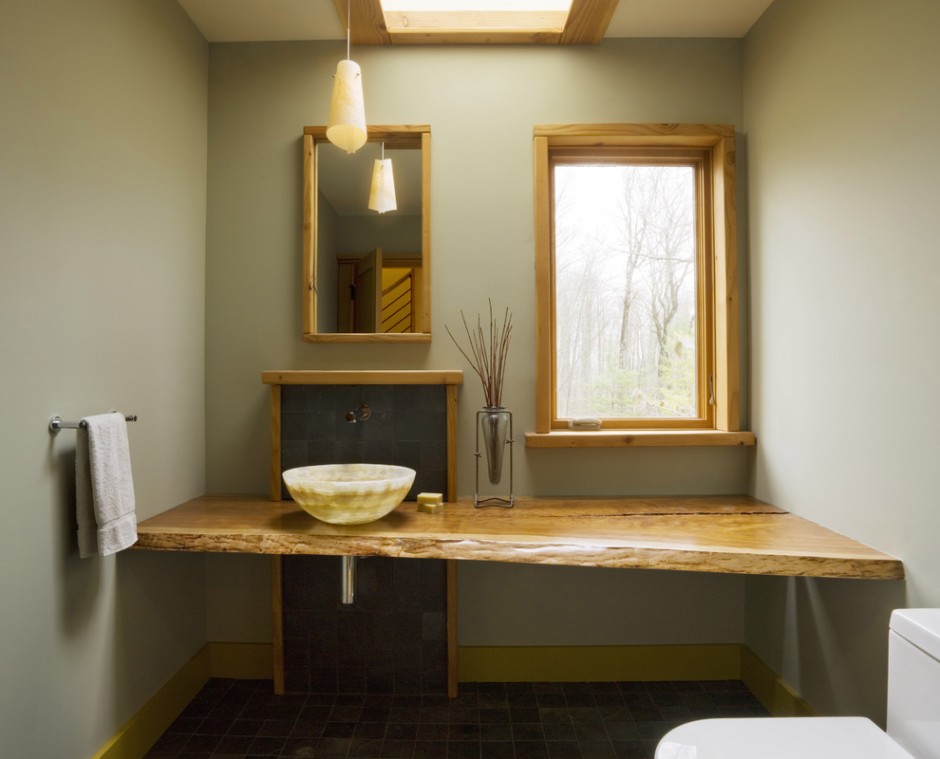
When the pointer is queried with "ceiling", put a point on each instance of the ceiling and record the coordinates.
(271, 20)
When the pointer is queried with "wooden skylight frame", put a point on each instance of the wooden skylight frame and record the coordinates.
(585, 24)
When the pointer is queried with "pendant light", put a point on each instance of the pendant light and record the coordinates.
(346, 126)
(382, 190)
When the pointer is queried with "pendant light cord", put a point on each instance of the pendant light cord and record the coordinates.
(348, 22)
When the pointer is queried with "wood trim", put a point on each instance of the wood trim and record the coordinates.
(364, 377)
(474, 37)
(638, 438)
(451, 404)
(545, 336)
(412, 136)
(640, 425)
(599, 663)
(277, 622)
(393, 135)
(727, 325)
(588, 21)
(452, 656)
(367, 26)
(705, 295)
(309, 253)
(722, 534)
(455, 25)
(276, 379)
(426, 231)
(275, 471)
(700, 158)
(719, 325)
(368, 337)
(679, 135)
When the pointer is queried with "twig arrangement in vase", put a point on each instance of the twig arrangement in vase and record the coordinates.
(487, 353)
(487, 357)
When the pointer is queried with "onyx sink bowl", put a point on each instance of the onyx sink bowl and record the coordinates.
(349, 493)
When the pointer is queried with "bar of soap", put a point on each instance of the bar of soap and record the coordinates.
(584, 424)
(430, 503)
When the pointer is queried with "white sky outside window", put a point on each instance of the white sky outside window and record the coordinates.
(645, 366)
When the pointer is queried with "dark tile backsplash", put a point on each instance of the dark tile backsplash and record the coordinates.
(408, 428)
(393, 639)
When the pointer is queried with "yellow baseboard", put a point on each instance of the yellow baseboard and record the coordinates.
(241, 661)
(230, 660)
(632, 663)
(777, 697)
(597, 663)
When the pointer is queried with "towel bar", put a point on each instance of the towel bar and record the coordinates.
(57, 423)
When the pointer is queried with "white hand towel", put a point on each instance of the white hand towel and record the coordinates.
(104, 487)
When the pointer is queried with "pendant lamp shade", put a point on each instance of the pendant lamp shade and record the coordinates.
(346, 126)
(382, 191)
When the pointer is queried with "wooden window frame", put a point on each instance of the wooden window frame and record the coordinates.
(717, 273)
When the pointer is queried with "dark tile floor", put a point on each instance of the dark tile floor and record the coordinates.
(239, 718)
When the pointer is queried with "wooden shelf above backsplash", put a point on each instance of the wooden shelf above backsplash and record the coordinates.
(363, 377)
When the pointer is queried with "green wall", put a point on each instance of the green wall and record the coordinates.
(481, 104)
(841, 108)
(102, 254)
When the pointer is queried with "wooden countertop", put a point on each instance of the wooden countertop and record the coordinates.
(730, 534)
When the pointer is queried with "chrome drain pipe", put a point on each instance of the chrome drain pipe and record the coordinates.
(348, 580)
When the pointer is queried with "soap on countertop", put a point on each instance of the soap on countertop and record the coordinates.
(430, 503)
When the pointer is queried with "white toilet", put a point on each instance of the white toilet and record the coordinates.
(913, 713)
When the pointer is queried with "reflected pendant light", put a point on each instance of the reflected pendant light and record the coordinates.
(346, 126)
(382, 190)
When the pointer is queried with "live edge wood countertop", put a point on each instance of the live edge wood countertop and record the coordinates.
(730, 534)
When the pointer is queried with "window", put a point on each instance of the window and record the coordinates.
(636, 285)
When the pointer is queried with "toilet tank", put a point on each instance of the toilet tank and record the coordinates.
(914, 681)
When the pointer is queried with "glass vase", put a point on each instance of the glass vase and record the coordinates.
(494, 422)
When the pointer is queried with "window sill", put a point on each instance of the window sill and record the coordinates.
(637, 439)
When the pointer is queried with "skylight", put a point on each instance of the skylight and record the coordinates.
(476, 5)
(475, 20)
(540, 22)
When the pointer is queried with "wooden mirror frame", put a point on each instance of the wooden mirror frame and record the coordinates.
(412, 136)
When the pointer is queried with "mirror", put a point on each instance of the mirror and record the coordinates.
(366, 276)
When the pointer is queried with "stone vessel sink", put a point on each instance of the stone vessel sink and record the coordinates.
(349, 493)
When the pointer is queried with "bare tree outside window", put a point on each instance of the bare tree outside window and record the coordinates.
(625, 291)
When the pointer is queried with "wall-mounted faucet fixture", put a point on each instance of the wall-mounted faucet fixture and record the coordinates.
(362, 413)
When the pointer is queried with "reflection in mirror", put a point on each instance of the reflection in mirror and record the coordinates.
(366, 275)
